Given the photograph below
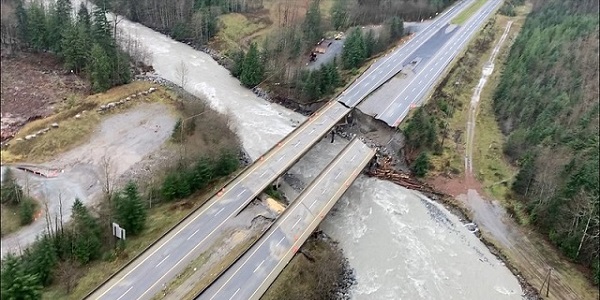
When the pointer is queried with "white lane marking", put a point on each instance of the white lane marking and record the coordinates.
(296, 222)
(303, 196)
(311, 131)
(413, 89)
(220, 210)
(234, 294)
(237, 181)
(281, 240)
(125, 293)
(323, 192)
(258, 266)
(315, 220)
(280, 158)
(353, 157)
(420, 81)
(338, 175)
(192, 234)
(163, 260)
(240, 193)
(263, 173)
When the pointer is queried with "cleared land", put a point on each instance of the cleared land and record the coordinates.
(33, 85)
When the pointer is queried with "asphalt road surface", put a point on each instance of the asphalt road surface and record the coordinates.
(387, 67)
(428, 72)
(254, 272)
(145, 276)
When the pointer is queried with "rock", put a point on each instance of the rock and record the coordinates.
(103, 107)
(54, 125)
(144, 93)
(77, 116)
(29, 137)
(133, 96)
(128, 98)
(18, 139)
(110, 105)
(151, 90)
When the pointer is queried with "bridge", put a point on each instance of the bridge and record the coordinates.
(144, 276)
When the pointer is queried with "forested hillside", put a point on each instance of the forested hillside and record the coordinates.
(547, 105)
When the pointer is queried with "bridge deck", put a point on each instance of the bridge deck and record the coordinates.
(145, 275)
(254, 272)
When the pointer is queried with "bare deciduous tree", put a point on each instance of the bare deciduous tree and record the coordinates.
(182, 74)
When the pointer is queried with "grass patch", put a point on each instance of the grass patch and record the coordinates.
(235, 27)
(311, 276)
(161, 217)
(71, 132)
(468, 12)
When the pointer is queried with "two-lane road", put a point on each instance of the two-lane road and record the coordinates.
(146, 275)
(254, 272)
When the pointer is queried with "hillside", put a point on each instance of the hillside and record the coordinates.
(547, 105)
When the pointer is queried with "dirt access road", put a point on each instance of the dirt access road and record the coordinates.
(119, 142)
(525, 250)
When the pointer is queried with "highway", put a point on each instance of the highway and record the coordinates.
(145, 276)
(254, 272)
(387, 67)
(427, 73)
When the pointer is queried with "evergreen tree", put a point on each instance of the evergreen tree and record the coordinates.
(99, 68)
(86, 235)
(59, 17)
(16, 283)
(76, 47)
(83, 17)
(238, 64)
(169, 187)
(311, 27)
(130, 209)
(10, 191)
(226, 164)
(202, 173)
(339, 14)
(396, 27)
(22, 21)
(41, 259)
(354, 52)
(421, 164)
(370, 43)
(252, 70)
(101, 32)
(26, 211)
(37, 33)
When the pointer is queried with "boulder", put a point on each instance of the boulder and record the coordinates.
(54, 125)
(29, 137)
(77, 116)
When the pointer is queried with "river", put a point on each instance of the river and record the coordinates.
(401, 244)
